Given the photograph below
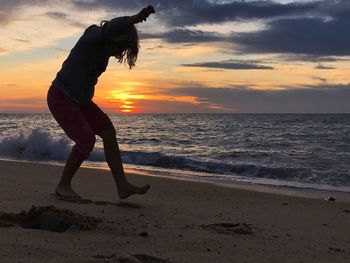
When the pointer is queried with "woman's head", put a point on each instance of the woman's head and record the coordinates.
(125, 46)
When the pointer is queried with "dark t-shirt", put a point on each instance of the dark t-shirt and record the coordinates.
(87, 61)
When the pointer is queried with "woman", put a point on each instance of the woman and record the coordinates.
(70, 97)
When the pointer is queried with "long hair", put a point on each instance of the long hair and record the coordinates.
(130, 46)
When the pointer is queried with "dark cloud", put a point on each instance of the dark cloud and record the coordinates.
(185, 36)
(64, 17)
(316, 36)
(316, 31)
(198, 12)
(308, 30)
(192, 12)
(309, 58)
(230, 64)
(56, 15)
(316, 99)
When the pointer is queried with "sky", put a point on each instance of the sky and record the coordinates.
(200, 56)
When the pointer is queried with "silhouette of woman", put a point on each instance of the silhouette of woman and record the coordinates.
(70, 97)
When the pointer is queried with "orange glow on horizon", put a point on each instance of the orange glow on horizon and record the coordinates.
(123, 98)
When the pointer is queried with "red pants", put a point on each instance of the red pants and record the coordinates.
(80, 122)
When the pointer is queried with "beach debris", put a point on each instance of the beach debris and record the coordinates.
(346, 211)
(50, 218)
(230, 228)
(285, 203)
(330, 198)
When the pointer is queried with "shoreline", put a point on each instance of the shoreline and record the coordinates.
(177, 221)
(307, 192)
(287, 190)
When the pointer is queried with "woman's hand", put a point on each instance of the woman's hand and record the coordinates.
(142, 15)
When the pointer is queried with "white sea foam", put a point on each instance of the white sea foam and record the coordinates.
(36, 144)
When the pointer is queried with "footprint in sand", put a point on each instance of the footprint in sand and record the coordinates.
(72, 200)
(88, 201)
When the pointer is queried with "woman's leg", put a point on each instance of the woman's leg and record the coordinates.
(113, 158)
(68, 115)
(102, 126)
(72, 165)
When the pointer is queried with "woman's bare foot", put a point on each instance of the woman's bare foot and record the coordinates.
(66, 192)
(128, 189)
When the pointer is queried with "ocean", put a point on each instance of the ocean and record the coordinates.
(294, 150)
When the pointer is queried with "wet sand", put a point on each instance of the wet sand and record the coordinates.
(176, 221)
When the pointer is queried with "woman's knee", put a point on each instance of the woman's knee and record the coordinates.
(85, 147)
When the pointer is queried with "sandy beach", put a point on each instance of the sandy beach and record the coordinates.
(176, 221)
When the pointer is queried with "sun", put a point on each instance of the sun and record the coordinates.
(124, 97)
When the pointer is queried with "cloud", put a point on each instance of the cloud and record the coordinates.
(293, 28)
(320, 66)
(57, 15)
(230, 64)
(66, 18)
(22, 40)
(197, 12)
(324, 35)
(315, 99)
(315, 31)
(10, 9)
(33, 24)
(322, 80)
(181, 13)
(185, 36)
(310, 58)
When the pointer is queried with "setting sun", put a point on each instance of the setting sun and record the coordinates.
(123, 98)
